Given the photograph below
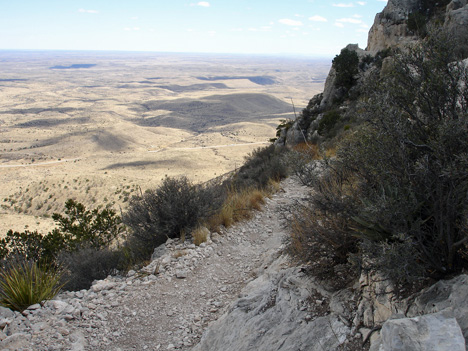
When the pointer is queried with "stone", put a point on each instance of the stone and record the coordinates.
(445, 294)
(181, 274)
(16, 341)
(158, 252)
(6, 313)
(266, 317)
(103, 285)
(432, 332)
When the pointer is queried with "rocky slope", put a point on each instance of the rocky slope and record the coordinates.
(240, 291)
(169, 303)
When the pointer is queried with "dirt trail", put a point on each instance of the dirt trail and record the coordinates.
(168, 304)
(171, 313)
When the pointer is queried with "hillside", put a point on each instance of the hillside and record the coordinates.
(364, 247)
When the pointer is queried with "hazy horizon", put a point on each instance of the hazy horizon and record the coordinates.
(299, 27)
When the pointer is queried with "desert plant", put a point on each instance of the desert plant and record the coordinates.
(346, 66)
(399, 183)
(93, 227)
(85, 265)
(200, 235)
(262, 165)
(25, 283)
(174, 207)
(328, 121)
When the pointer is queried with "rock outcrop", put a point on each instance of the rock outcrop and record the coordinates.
(390, 26)
(275, 313)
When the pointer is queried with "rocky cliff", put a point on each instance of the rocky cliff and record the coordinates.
(401, 23)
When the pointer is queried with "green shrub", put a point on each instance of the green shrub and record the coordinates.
(417, 23)
(261, 166)
(92, 227)
(32, 245)
(346, 66)
(88, 264)
(328, 121)
(175, 207)
(25, 283)
(80, 227)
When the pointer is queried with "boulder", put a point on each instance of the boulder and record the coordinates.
(445, 294)
(432, 332)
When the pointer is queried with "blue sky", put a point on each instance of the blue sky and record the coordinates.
(308, 27)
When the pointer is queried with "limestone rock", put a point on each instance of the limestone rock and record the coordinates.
(390, 28)
(452, 294)
(16, 341)
(159, 252)
(268, 317)
(432, 332)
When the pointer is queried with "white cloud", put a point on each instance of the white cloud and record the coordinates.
(203, 4)
(349, 20)
(343, 5)
(290, 22)
(317, 18)
(134, 18)
(341, 25)
(128, 29)
(212, 33)
(87, 11)
(362, 3)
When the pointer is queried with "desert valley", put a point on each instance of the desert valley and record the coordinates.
(100, 126)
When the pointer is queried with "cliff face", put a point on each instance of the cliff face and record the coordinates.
(391, 27)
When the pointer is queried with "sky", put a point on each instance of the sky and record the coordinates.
(304, 27)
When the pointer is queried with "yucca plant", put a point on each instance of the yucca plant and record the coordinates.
(25, 283)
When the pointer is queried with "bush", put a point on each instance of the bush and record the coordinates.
(25, 283)
(31, 245)
(328, 121)
(261, 166)
(96, 228)
(175, 207)
(88, 264)
(80, 227)
(346, 66)
(398, 185)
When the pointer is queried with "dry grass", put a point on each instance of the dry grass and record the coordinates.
(239, 206)
(179, 253)
(311, 151)
(200, 235)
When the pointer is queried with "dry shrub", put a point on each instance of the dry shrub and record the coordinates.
(200, 235)
(238, 206)
(310, 151)
(256, 199)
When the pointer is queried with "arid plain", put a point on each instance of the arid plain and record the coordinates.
(100, 126)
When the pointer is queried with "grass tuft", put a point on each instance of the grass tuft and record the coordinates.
(200, 235)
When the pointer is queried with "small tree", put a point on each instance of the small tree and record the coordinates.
(85, 227)
(346, 66)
